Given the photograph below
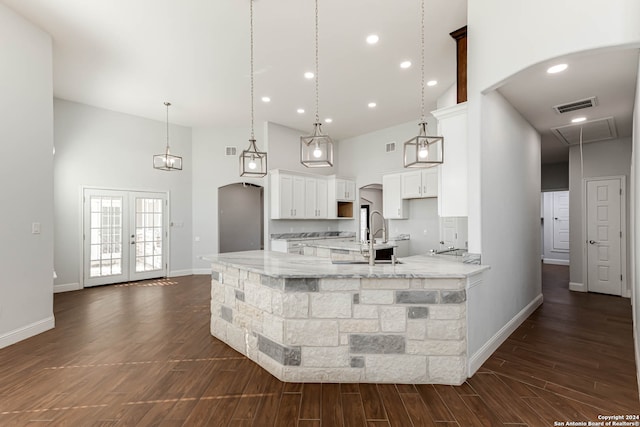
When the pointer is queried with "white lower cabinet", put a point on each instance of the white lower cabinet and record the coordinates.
(393, 205)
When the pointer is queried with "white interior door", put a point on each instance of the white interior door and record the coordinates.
(125, 234)
(604, 236)
(561, 220)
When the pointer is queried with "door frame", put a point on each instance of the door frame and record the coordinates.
(623, 227)
(167, 223)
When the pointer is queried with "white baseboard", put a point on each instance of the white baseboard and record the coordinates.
(66, 287)
(577, 287)
(177, 273)
(202, 270)
(556, 261)
(481, 356)
(27, 331)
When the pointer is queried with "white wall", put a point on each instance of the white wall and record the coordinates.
(106, 149)
(555, 176)
(510, 223)
(26, 123)
(605, 158)
(364, 158)
(211, 170)
(635, 234)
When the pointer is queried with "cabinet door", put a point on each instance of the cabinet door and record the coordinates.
(350, 187)
(310, 208)
(285, 184)
(298, 202)
(430, 182)
(393, 206)
(322, 198)
(412, 184)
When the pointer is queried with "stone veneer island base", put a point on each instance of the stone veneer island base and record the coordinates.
(304, 319)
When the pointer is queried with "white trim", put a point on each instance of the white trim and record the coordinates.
(623, 228)
(177, 273)
(577, 287)
(28, 331)
(201, 271)
(481, 356)
(66, 287)
(556, 261)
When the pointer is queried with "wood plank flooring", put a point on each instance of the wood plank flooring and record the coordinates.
(140, 354)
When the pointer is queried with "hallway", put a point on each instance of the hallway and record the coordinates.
(140, 354)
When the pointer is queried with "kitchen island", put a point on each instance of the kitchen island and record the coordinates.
(305, 319)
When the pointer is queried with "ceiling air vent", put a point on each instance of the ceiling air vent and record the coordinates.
(576, 105)
(230, 151)
(592, 131)
(390, 147)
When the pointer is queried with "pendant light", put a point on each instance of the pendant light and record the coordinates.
(252, 162)
(167, 161)
(423, 151)
(316, 150)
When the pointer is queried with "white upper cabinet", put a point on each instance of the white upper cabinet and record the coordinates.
(393, 206)
(315, 198)
(419, 184)
(453, 182)
(287, 196)
(345, 189)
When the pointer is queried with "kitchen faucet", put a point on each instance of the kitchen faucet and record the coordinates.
(372, 254)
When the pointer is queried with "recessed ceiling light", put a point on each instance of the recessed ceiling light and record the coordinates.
(372, 104)
(557, 68)
(405, 64)
(300, 110)
(432, 82)
(309, 75)
(578, 119)
(328, 120)
(372, 39)
(266, 99)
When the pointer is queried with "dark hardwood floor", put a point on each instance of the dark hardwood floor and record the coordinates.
(141, 354)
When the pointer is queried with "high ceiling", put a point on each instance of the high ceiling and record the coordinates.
(132, 55)
(609, 76)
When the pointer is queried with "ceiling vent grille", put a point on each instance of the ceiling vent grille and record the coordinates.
(230, 151)
(390, 147)
(576, 105)
(592, 131)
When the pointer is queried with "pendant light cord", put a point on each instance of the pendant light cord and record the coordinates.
(317, 102)
(167, 104)
(422, 59)
(251, 62)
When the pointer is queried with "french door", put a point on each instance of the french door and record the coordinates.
(125, 236)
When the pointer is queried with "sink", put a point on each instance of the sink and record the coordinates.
(378, 262)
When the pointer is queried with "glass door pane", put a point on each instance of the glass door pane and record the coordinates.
(148, 259)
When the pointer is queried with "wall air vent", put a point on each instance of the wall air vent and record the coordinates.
(390, 147)
(592, 131)
(230, 151)
(576, 105)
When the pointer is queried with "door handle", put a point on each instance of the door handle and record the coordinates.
(592, 242)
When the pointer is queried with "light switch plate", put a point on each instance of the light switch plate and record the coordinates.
(35, 228)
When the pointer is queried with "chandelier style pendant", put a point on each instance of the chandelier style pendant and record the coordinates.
(252, 162)
(316, 150)
(167, 161)
(423, 151)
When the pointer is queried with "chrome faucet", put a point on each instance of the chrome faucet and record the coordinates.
(372, 254)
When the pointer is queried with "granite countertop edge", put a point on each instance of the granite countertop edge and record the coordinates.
(292, 266)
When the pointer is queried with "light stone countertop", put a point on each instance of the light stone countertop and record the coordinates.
(283, 265)
(351, 246)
